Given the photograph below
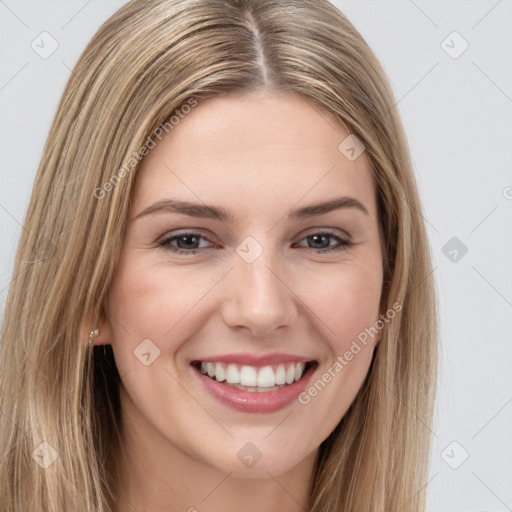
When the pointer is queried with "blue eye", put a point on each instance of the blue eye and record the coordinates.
(189, 243)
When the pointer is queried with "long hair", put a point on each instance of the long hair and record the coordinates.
(59, 398)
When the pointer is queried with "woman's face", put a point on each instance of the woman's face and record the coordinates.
(230, 267)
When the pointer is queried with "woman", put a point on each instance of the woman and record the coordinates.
(179, 335)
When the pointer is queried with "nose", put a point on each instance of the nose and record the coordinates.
(258, 297)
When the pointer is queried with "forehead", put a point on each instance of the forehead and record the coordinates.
(259, 151)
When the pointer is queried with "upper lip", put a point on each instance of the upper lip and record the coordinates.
(245, 358)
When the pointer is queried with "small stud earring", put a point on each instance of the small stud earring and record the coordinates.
(92, 335)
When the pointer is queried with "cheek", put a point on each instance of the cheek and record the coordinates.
(147, 307)
(144, 303)
(348, 302)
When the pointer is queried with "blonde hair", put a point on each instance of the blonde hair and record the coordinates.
(147, 60)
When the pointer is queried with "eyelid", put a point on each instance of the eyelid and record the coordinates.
(331, 231)
(165, 239)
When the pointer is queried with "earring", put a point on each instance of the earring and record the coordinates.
(93, 334)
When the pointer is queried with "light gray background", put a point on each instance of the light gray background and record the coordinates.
(458, 117)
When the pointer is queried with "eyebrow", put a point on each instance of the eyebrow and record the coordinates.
(223, 215)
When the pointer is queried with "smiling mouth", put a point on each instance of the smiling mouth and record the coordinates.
(254, 378)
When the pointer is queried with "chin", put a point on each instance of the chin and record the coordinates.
(257, 458)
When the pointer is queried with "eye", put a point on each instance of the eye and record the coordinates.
(190, 243)
(320, 242)
(187, 243)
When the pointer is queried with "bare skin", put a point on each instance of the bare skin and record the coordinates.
(259, 156)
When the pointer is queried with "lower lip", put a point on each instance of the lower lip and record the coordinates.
(259, 402)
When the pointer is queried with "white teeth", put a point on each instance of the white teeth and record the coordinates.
(251, 378)
(220, 373)
(257, 389)
(280, 375)
(298, 370)
(266, 377)
(248, 376)
(232, 374)
(290, 374)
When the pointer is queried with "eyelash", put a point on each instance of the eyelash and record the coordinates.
(343, 244)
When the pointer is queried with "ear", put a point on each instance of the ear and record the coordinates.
(105, 330)
(104, 327)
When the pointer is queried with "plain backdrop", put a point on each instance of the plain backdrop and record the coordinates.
(450, 66)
